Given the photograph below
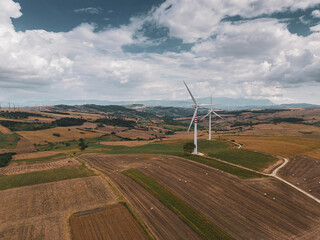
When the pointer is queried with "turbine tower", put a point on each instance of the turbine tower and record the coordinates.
(194, 119)
(209, 114)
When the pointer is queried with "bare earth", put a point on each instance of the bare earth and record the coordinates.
(24, 146)
(5, 130)
(70, 162)
(240, 207)
(42, 211)
(112, 222)
(22, 156)
(304, 172)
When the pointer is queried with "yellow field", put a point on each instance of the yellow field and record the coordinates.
(44, 136)
(5, 130)
(281, 146)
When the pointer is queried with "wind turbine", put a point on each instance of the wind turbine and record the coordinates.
(194, 119)
(209, 114)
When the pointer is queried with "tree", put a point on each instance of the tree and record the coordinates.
(82, 144)
(188, 147)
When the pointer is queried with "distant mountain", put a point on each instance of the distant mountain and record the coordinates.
(222, 103)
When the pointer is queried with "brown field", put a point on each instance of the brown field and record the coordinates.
(24, 146)
(22, 156)
(129, 143)
(135, 133)
(276, 145)
(239, 207)
(5, 130)
(162, 222)
(112, 222)
(42, 211)
(304, 172)
(10, 170)
(45, 136)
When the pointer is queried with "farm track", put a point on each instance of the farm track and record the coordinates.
(162, 222)
(112, 222)
(240, 207)
(69, 162)
(42, 211)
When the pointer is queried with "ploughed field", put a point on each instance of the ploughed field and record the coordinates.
(112, 222)
(304, 172)
(246, 209)
(69, 162)
(42, 211)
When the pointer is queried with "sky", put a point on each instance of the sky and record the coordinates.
(143, 49)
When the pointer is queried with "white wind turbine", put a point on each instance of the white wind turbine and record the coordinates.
(209, 114)
(194, 119)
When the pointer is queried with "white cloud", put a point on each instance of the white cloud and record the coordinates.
(91, 10)
(258, 58)
(192, 20)
(316, 13)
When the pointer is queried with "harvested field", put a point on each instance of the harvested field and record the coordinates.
(135, 133)
(128, 143)
(22, 156)
(162, 222)
(42, 211)
(281, 146)
(246, 209)
(70, 162)
(5, 130)
(112, 222)
(304, 172)
(24, 146)
(45, 136)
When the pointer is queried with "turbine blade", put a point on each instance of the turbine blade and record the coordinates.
(194, 116)
(190, 94)
(217, 114)
(205, 116)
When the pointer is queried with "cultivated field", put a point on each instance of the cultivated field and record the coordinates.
(246, 209)
(5, 130)
(304, 172)
(10, 170)
(42, 211)
(33, 155)
(276, 145)
(112, 222)
(24, 146)
(45, 136)
(162, 223)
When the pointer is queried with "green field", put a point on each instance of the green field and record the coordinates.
(250, 159)
(32, 178)
(8, 141)
(196, 220)
(52, 158)
(239, 172)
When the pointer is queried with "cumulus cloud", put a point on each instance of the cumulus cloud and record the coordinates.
(91, 10)
(192, 20)
(316, 13)
(254, 58)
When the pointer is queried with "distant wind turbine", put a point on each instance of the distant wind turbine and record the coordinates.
(209, 114)
(194, 119)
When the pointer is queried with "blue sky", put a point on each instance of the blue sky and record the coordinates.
(143, 49)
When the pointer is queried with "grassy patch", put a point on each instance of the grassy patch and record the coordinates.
(32, 178)
(196, 220)
(239, 172)
(42, 159)
(8, 141)
(253, 160)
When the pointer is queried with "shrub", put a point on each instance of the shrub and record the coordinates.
(188, 147)
(56, 134)
(82, 144)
